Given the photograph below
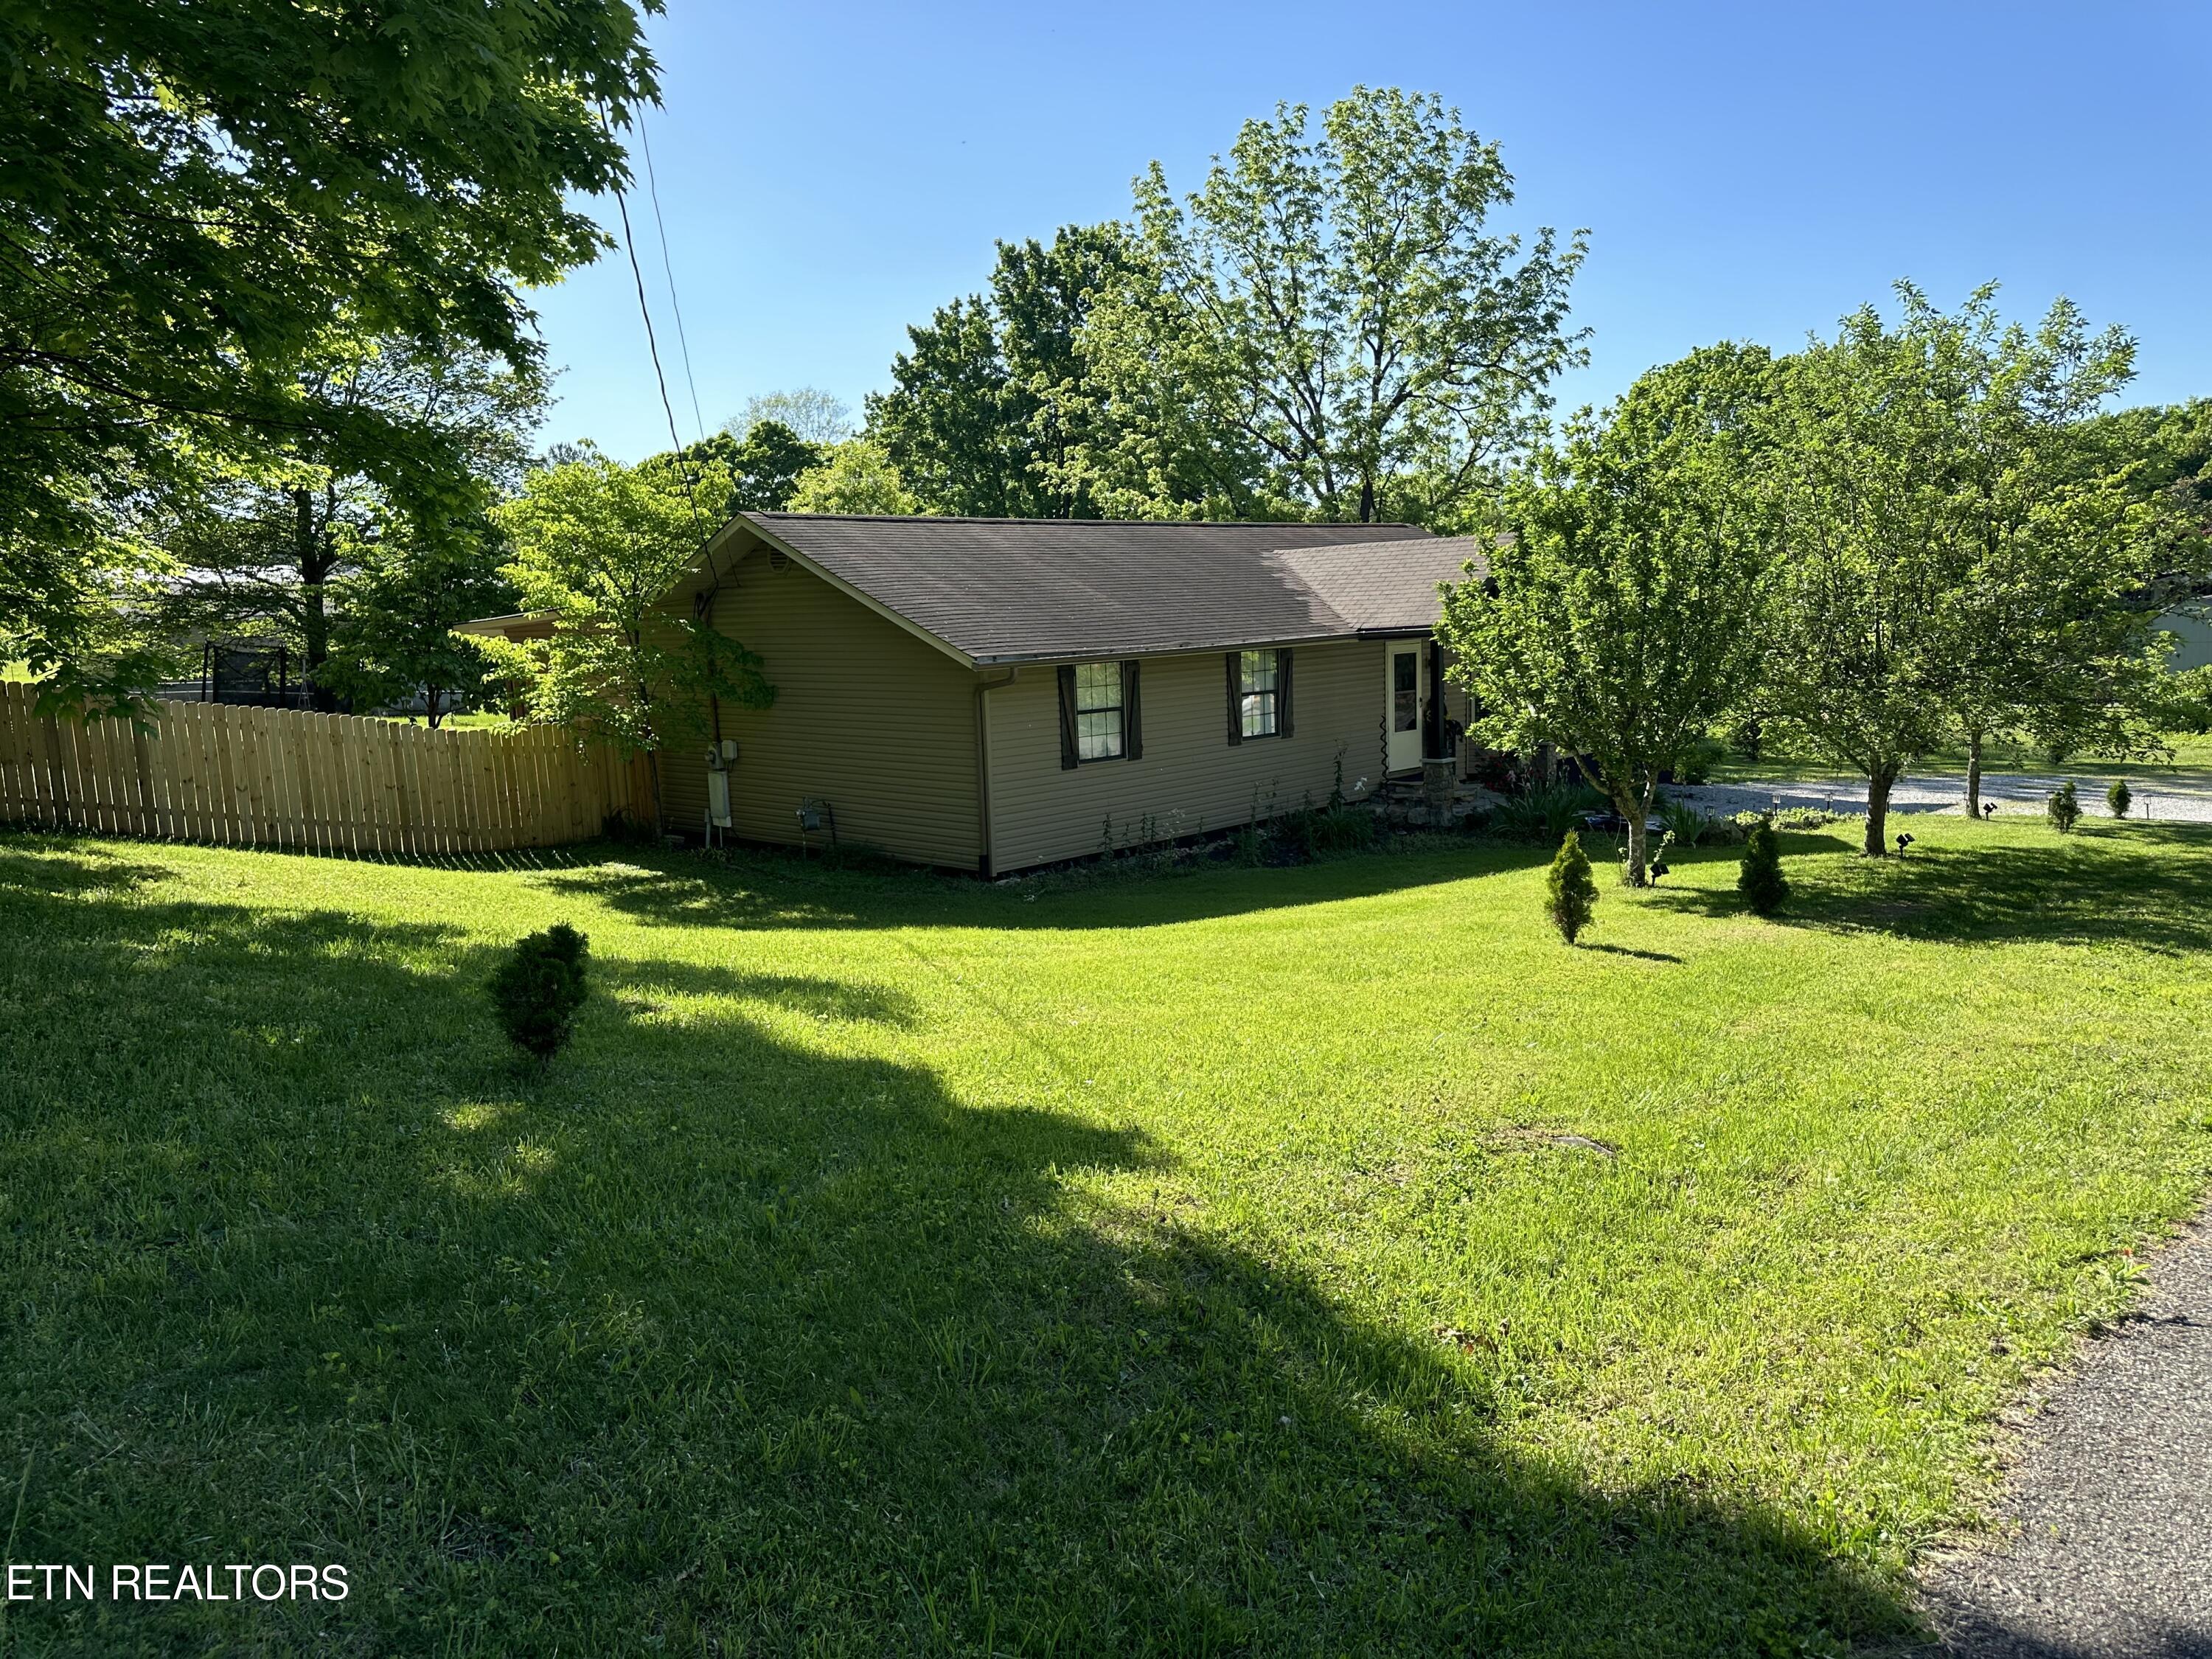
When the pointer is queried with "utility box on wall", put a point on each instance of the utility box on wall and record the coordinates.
(719, 758)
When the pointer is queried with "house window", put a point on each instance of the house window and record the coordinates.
(1258, 683)
(1097, 711)
(1405, 691)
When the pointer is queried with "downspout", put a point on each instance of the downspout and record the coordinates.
(702, 611)
(983, 771)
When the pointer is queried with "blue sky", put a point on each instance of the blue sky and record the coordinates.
(830, 173)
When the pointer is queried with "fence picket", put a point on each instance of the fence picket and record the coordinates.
(322, 783)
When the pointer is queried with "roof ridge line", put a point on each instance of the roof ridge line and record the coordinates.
(1161, 524)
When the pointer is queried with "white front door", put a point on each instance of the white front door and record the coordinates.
(1403, 674)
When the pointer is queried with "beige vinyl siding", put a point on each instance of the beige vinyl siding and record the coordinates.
(1191, 778)
(868, 717)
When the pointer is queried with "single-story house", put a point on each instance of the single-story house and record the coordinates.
(993, 695)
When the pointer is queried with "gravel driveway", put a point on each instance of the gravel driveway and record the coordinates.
(2107, 1549)
(2184, 796)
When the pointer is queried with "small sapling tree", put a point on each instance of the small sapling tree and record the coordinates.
(1760, 879)
(539, 988)
(2119, 798)
(2063, 809)
(1616, 619)
(599, 547)
(1570, 894)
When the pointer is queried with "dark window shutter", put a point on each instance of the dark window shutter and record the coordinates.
(1133, 726)
(1067, 717)
(1236, 701)
(1283, 693)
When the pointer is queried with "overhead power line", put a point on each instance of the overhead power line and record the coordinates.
(653, 349)
(667, 269)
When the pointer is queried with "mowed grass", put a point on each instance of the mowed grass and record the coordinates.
(1186, 1265)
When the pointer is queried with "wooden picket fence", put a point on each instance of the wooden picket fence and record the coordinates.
(322, 783)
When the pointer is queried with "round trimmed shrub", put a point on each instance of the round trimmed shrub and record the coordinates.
(1759, 876)
(2063, 809)
(539, 988)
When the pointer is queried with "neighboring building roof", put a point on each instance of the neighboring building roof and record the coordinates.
(1395, 593)
(516, 625)
(1029, 590)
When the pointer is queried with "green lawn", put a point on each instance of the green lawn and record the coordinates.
(2193, 752)
(1186, 1265)
(461, 722)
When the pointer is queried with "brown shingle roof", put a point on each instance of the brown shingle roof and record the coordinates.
(1391, 594)
(1015, 590)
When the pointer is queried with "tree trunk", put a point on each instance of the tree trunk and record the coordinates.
(652, 755)
(1974, 772)
(1879, 783)
(1367, 500)
(430, 708)
(1639, 840)
(313, 562)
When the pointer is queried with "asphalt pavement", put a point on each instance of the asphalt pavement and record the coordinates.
(2106, 1547)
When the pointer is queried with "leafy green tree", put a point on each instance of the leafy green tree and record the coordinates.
(599, 546)
(2052, 639)
(809, 414)
(2119, 798)
(725, 475)
(1570, 890)
(396, 636)
(1947, 565)
(858, 476)
(1759, 876)
(271, 545)
(1329, 326)
(991, 402)
(767, 466)
(2165, 455)
(193, 194)
(1617, 620)
(2184, 701)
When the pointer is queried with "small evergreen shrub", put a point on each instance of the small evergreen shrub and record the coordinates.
(2119, 798)
(539, 988)
(2063, 809)
(1759, 878)
(1570, 892)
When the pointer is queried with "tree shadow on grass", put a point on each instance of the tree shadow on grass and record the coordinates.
(1640, 956)
(759, 890)
(2148, 886)
(643, 983)
(736, 1342)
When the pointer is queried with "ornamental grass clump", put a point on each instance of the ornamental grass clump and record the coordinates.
(2119, 798)
(1759, 878)
(539, 988)
(1570, 892)
(2063, 809)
